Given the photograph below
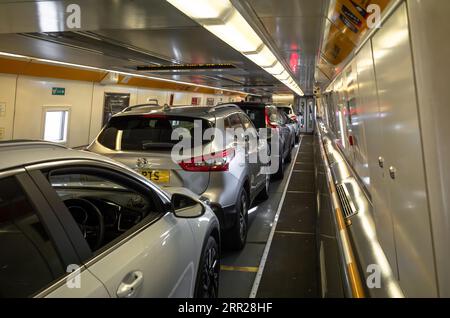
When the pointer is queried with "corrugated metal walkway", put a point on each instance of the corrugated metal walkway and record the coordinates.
(291, 268)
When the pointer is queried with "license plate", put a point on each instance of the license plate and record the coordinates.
(159, 176)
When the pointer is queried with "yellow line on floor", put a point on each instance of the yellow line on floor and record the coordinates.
(246, 269)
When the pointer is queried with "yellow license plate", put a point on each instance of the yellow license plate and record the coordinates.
(159, 176)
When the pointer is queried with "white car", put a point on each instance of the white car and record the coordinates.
(76, 224)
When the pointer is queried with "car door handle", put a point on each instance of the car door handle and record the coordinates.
(130, 285)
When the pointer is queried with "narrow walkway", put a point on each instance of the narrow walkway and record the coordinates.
(239, 269)
(291, 268)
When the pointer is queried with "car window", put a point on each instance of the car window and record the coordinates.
(227, 123)
(256, 114)
(148, 132)
(235, 121)
(29, 261)
(287, 110)
(273, 112)
(104, 208)
(282, 118)
(246, 122)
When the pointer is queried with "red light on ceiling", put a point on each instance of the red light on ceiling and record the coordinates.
(293, 61)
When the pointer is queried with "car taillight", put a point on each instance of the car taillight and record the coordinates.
(219, 161)
(268, 122)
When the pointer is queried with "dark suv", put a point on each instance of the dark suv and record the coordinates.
(268, 116)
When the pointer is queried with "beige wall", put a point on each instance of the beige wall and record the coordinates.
(26, 98)
(33, 95)
(7, 101)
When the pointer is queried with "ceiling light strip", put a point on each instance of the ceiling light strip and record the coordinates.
(222, 19)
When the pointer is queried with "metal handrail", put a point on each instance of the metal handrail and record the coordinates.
(359, 245)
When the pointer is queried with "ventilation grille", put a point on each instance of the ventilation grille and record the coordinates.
(347, 204)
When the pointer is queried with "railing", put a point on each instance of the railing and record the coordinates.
(363, 267)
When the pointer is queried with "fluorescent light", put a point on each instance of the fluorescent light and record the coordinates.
(283, 76)
(264, 58)
(223, 20)
(275, 70)
(202, 9)
(237, 33)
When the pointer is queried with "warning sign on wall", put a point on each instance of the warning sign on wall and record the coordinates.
(113, 104)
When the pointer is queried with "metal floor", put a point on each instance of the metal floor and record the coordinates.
(279, 261)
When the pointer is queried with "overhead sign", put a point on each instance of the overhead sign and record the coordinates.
(113, 104)
(58, 91)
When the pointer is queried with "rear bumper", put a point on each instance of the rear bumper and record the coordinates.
(226, 216)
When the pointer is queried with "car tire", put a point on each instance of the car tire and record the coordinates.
(207, 283)
(264, 194)
(236, 237)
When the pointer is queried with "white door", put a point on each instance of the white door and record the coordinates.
(403, 153)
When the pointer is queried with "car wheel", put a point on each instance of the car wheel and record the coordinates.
(280, 173)
(236, 237)
(264, 194)
(207, 285)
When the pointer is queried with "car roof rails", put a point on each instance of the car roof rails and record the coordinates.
(130, 108)
(29, 142)
(222, 106)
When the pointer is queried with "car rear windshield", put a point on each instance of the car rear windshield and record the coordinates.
(147, 132)
(256, 114)
(286, 110)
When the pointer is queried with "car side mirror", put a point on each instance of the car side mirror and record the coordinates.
(186, 207)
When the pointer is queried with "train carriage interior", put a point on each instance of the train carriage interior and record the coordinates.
(112, 115)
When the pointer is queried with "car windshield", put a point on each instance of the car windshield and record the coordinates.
(256, 114)
(146, 132)
(286, 110)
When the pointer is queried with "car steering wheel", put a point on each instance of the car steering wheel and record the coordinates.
(85, 213)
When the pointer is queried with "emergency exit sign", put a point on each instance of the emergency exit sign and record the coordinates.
(58, 91)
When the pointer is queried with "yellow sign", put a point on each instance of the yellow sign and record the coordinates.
(349, 24)
(158, 176)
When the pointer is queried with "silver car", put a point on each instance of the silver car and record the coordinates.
(142, 139)
(292, 118)
(76, 224)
